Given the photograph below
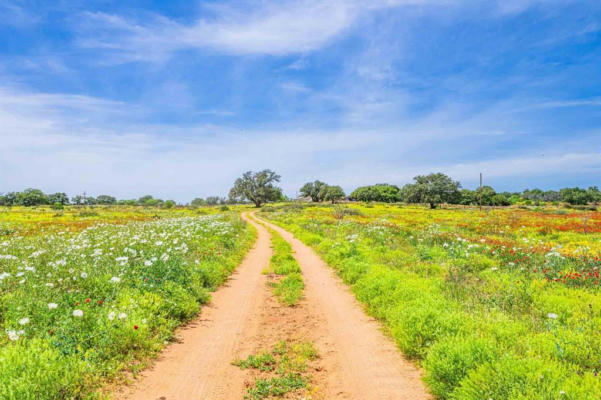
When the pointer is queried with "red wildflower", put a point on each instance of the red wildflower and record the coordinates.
(136, 327)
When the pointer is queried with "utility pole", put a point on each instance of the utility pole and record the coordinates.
(480, 191)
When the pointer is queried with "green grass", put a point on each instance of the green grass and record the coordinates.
(283, 370)
(475, 298)
(288, 289)
(76, 308)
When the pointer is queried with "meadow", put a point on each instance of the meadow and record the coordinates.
(494, 304)
(87, 293)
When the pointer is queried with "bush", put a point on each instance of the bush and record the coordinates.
(451, 358)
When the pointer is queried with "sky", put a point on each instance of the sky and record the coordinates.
(178, 98)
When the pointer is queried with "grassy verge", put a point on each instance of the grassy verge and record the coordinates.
(500, 305)
(78, 308)
(289, 288)
(281, 371)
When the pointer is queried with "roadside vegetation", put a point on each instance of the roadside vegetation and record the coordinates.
(83, 297)
(288, 285)
(283, 371)
(502, 304)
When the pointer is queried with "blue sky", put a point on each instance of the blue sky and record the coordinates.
(178, 98)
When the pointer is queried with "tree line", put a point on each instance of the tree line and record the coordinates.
(437, 188)
(259, 188)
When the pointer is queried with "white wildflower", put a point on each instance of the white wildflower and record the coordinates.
(52, 306)
(78, 313)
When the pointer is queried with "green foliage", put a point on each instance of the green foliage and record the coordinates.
(256, 187)
(31, 197)
(332, 193)
(313, 190)
(381, 192)
(432, 189)
(262, 362)
(283, 370)
(289, 289)
(479, 300)
(197, 202)
(92, 302)
(105, 199)
(578, 196)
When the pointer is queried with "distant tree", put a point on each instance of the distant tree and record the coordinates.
(169, 204)
(594, 194)
(332, 193)
(90, 201)
(58, 198)
(213, 200)
(575, 196)
(382, 192)
(77, 200)
(149, 201)
(486, 194)
(197, 202)
(433, 189)
(125, 202)
(551, 195)
(105, 199)
(313, 190)
(31, 197)
(468, 197)
(534, 194)
(500, 199)
(9, 199)
(257, 187)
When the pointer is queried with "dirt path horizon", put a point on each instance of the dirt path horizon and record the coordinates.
(357, 361)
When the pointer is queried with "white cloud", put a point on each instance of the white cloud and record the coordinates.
(271, 28)
(74, 143)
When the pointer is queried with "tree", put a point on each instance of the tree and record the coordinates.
(256, 187)
(213, 200)
(105, 199)
(575, 196)
(313, 190)
(380, 192)
(433, 189)
(551, 195)
(594, 194)
(31, 197)
(485, 195)
(468, 197)
(148, 200)
(9, 199)
(58, 198)
(197, 202)
(78, 200)
(332, 193)
(169, 204)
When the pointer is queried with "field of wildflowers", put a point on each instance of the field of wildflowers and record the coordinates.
(86, 293)
(495, 304)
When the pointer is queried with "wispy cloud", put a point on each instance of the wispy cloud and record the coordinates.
(45, 139)
(272, 28)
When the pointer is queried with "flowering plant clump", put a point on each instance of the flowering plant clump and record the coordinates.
(91, 300)
(503, 303)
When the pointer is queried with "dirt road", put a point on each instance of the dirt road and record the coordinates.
(356, 360)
